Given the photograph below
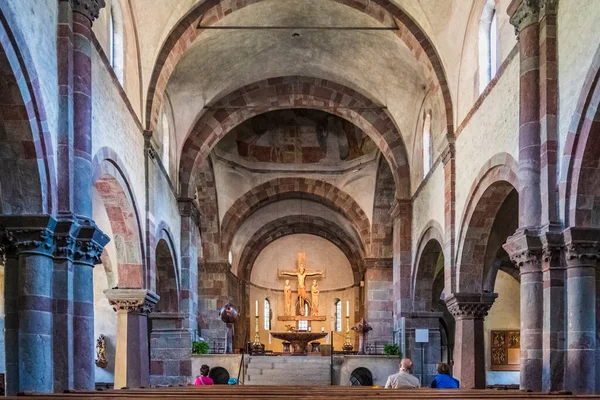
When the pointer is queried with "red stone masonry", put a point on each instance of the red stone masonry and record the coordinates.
(282, 188)
(112, 183)
(27, 108)
(293, 92)
(578, 188)
(210, 233)
(382, 229)
(424, 265)
(210, 12)
(495, 181)
(301, 224)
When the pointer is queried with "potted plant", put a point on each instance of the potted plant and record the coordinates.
(392, 350)
(199, 347)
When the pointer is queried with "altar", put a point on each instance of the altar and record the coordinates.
(290, 298)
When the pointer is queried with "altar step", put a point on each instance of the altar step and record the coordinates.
(288, 370)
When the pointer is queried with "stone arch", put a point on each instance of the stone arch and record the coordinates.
(496, 180)
(186, 31)
(167, 282)
(579, 193)
(293, 92)
(429, 249)
(382, 228)
(112, 183)
(301, 224)
(285, 188)
(30, 188)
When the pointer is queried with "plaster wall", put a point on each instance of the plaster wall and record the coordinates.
(113, 126)
(233, 182)
(428, 205)
(578, 35)
(503, 315)
(320, 255)
(126, 35)
(105, 318)
(36, 21)
(492, 129)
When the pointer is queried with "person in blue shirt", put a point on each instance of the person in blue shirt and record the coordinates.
(443, 380)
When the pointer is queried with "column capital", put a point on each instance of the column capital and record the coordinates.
(89, 244)
(400, 208)
(523, 13)
(141, 301)
(470, 305)
(88, 8)
(31, 234)
(524, 249)
(189, 208)
(449, 151)
(552, 246)
(582, 246)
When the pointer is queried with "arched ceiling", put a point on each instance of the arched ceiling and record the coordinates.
(375, 63)
(443, 21)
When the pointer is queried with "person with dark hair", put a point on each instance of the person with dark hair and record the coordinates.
(203, 379)
(444, 380)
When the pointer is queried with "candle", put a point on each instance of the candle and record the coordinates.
(347, 308)
(310, 328)
(257, 308)
(323, 329)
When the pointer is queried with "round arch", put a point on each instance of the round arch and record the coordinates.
(112, 184)
(495, 181)
(186, 31)
(301, 224)
(578, 185)
(167, 283)
(293, 92)
(285, 188)
(429, 249)
(25, 128)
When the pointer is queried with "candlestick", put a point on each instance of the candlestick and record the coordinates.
(348, 343)
(256, 335)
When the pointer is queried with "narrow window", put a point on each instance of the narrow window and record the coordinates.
(493, 46)
(267, 315)
(115, 40)
(427, 145)
(338, 316)
(488, 44)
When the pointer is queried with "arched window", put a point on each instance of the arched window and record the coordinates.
(488, 62)
(427, 144)
(166, 139)
(267, 315)
(338, 315)
(115, 40)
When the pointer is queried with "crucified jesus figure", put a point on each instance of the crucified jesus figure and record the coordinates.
(301, 274)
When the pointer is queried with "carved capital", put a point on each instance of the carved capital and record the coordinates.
(548, 7)
(65, 235)
(139, 301)
(582, 247)
(552, 246)
(470, 305)
(449, 151)
(401, 208)
(88, 8)
(523, 13)
(89, 244)
(188, 208)
(27, 235)
(525, 250)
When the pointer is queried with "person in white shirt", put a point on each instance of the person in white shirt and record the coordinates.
(403, 379)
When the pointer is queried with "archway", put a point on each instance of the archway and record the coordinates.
(361, 377)
(167, 285)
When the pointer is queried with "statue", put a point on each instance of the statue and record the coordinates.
(101, 352)
(301, 274)
(314, 292)
(287, 298)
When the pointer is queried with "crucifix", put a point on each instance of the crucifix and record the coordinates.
(301, 273)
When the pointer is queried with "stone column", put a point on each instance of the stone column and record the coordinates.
(525, 251)
(170, 350)
(28, 246)
(379, 306)
(582, 252)
(401, 212)
(469, 311)
(132, 363)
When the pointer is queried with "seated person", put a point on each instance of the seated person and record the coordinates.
(203, 379)
(444, 380)
(403, 379)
